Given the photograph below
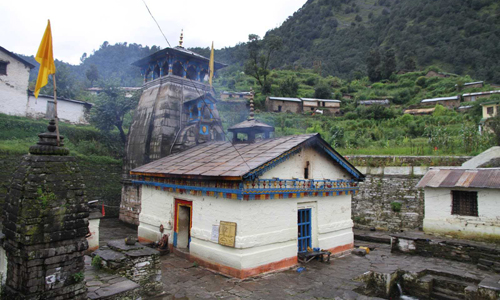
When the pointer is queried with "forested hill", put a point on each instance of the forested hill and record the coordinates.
(110, 62)
(459, 36)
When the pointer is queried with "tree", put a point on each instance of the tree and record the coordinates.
(388, 64)
(494, 124)
(373, 65)
(83, 58)
(66, 84)
(259, 54)
(92, 74)
(289, 87)
(322, 91)
(110, 108)
(358, 18)
(409, 63)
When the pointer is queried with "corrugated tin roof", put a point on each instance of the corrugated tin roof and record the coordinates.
(440, 99)
(285, 99)
(471, 83)
(236, 93)
(461, 178)
(420, 111)
(322, 100)
(481, 93)
(222, 159)
(369, 102)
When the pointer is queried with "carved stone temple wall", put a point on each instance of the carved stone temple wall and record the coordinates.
(173, 114)
(45, 224)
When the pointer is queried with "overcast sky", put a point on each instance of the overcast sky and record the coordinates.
(82, 26)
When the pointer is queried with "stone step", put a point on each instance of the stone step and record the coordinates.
(443, 296)
(449, 283)
(489, 257)
(372, 238)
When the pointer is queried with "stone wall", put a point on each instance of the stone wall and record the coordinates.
(136, 262)
(102, 180)
(392, 179)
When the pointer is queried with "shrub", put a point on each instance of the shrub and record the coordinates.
(96, 262)
(421, 81)
(396, 206)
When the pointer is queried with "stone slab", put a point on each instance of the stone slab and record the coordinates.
(110, 255)
(397, 171)
(117, 288)
(120, 245)
(142, 252)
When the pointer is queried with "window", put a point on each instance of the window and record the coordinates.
(279, 108)
(3, 68)
(306, 171)
(489, 110)
(464, 203)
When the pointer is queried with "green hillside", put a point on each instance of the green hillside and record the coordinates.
(460, 36)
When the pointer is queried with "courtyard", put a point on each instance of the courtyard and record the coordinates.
(183, 279)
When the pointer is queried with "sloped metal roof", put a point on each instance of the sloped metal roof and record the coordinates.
(482, 93)
(233, 162)
(461, 178)
(440, 99)
(285, 99)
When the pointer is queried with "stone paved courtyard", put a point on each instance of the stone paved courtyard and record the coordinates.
(183, 280)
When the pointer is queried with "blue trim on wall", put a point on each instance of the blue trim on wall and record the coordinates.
(252, 192)
(175, 239)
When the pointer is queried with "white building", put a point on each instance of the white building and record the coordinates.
(14, 79)
(251, 207)
(17, 100)
(462, 202)
(68, 110)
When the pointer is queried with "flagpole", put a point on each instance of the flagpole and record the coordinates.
(55, 108)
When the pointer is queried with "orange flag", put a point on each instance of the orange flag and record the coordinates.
(212, 69)
(45, 57)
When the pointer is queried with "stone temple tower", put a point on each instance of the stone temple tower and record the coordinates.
(177, 110)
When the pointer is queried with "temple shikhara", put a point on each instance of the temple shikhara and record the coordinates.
(176, 111)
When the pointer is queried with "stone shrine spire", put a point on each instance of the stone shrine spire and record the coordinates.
(182, 37)
(45, 225)
(250, 127)
(251, 115)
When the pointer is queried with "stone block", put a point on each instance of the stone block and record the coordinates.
(359, 252)
(397, 171)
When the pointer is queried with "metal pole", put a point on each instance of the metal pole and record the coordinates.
(55, 108)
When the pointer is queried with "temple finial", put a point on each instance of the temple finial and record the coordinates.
(251, 115)
(182, 36)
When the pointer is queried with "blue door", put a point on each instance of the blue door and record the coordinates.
(304, 227)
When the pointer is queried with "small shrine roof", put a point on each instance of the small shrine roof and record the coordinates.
(251, 124)
(223, 160)
(179, 51)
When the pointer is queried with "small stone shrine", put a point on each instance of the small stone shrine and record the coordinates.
(45, 224)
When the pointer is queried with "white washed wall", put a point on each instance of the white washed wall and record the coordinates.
(14, 87)
(93, 239)
(438, 217)
(67, 111)
(266, 229)
(320, 167)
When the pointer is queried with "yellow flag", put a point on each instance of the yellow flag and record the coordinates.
(45, 57)
(211, 64)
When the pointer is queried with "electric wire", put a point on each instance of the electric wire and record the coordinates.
(143, 1)
(199, 94)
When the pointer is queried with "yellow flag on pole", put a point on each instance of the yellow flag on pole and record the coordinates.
(45, 57)
(211, 64)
